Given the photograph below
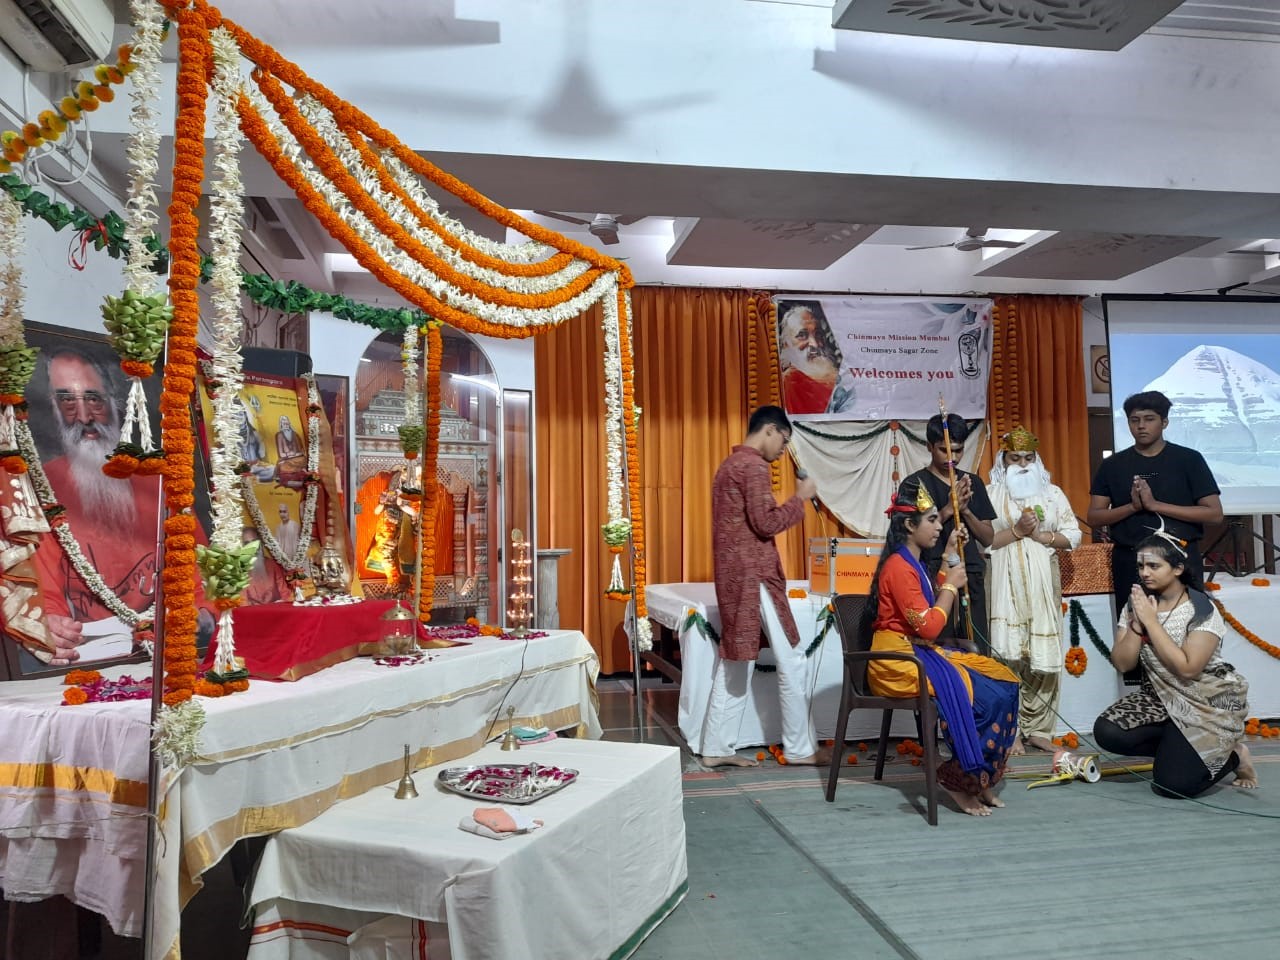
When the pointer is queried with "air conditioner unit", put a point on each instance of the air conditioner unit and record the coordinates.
(55, 34)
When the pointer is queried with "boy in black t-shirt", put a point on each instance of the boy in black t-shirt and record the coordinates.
(1136, 488)
(976, 513)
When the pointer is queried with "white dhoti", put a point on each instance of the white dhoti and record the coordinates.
(728, 699)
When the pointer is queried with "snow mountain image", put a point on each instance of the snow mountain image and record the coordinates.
(1227, 406)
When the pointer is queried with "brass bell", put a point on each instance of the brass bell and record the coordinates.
(405, 789)
(509, 740)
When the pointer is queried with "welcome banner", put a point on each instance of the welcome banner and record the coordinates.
(879, 358)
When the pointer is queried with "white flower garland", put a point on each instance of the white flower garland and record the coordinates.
(11, 294)
(409, 360)
(604, 287)
(614, 474)
(323, 122)
(227, 367)
(296, 564)
(144, 144)
(62, 530)
(176, 734)
(530, 251)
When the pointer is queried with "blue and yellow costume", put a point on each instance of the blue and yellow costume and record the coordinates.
(977, 697)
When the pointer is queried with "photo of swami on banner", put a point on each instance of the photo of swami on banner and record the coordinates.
(872, 358)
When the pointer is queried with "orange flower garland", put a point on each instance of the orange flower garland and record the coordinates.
(631, 446)
(50, 125)
(753, 337)
(1071, 741)
(1240, 628)
(337, 174)
(770, 312)
(430, 486)
(194, 62)
(388, 183)
(348, 116)
(1076, 661)
(259, 134)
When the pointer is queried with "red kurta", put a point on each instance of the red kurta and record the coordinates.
(745, 518)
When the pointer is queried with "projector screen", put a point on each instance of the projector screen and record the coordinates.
(1218, 360)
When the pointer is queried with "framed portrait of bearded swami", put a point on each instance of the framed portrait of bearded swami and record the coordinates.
(79, 565)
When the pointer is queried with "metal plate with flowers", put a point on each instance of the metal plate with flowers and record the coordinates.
(506, 782)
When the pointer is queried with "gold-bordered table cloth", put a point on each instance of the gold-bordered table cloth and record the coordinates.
(73, 779)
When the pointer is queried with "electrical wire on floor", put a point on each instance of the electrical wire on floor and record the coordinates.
(501, 703)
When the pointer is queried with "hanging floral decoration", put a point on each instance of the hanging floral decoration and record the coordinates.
(225, 564)
(412, 430)
(430, 486)
(373, 194)
(17, 360)
(138, 320)
(1077, 618)
(18, 146)
(194, 57)
(1269, 649)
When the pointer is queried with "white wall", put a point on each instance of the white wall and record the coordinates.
(56, 292)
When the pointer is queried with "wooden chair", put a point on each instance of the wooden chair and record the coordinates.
(855, 695)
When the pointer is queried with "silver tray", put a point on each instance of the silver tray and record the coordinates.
(506, 782)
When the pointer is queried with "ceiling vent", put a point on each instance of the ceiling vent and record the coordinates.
(1079, 24)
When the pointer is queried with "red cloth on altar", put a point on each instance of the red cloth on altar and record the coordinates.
(279, 641)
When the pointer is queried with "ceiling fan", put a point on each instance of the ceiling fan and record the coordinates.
(602, 225)
(975, 238)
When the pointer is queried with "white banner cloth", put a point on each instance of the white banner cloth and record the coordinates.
(855, 477)
(606, 867)
(871, 358)
(273, 757)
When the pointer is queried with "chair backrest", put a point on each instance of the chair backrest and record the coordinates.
(849, 608)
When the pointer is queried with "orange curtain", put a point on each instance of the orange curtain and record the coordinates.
(703, 361)
(692, 385)
(1037, 380)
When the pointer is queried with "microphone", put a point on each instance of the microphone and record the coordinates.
(803, 474)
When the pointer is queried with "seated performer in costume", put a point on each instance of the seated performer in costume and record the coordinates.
(1189, 712)
(1033, 519)
(977, 697)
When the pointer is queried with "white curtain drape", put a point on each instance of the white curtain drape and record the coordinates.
(853, 464)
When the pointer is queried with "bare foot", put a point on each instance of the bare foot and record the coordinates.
(1041, 743)
(1017, 749)
(819, 759)
(732, 760)
(970, 804)
(1246, 772)
(990, 799)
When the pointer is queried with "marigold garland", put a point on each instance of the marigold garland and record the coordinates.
(347, 115)
(430, 486)
(1076, 661)
(631, 445)
(195, 60)
(337, 174)
(50, 125)
(1267, 648)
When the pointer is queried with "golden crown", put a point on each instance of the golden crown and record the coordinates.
(924, 503)
(1019, 440)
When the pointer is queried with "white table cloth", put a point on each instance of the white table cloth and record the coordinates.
(1083, 697)
(73, 779)
(669, 604)
(608, 865)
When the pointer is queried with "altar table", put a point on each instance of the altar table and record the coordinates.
(605, 869)
(73, 779)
